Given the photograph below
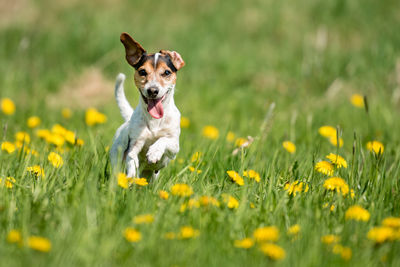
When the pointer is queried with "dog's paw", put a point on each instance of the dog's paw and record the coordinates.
(154, 154)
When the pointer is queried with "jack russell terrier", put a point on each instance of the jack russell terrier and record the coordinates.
(149, 138)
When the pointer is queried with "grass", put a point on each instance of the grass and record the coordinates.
(306, 57)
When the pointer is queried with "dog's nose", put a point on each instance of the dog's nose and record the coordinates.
(152, 91)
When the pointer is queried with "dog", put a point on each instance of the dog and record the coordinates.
(149, 138)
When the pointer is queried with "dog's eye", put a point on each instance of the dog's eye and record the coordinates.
(142, 72)
(167, 73)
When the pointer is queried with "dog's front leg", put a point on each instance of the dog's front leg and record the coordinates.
(163, 145)
(132, 160)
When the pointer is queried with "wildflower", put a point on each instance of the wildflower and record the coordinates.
(66, 113)
(269, 233)
(230, 136)
(140, 181)
(55, 159)
(23, 137)
(289, 146)
(70, 137)
(334, 141)
(132, 235)
(170, 235)
(196, 156)
(39, 243)
(357, 213)
(208, 201)
(295, 187)
(235, 177)
(7, 106)
(210, 132)
(192, 203)
(344, 252)
(36, 170)
(182, 190)
(185, 122)
(381, 234)
(124, 181)
(244, 243)
(93, 117)
(327, 131)
(337, 160)
(338, 184)
(252, 174)
(273, 251)
(163, 194)
(14, 236)
(376, 147)
(192, 169)
(80, 142)
(230, 201)
(8, 147)
(294, 230)
(43, 133)
(240, 141)
(33, 122)
(324, 167)
(393, 222)
(330, 239)
(58, 129)
(187, 232)
(143, 219)
(9, 182)
(331, 208)
(357, 100)
(55, 139)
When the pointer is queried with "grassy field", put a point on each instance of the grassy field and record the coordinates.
(273, 70)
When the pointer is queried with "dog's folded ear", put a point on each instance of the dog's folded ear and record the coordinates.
(176, 59)
(133, 50)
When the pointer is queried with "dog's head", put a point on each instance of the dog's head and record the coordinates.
(155, 74)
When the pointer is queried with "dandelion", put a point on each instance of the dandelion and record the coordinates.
(381, 234)
(55, 139)
(143, 219)
(196, 156)
(331, 208)
(8, 147)
(192, 169)
(338, 184)
(66, 113)
(357, 100)
(93, 117)
(230, 137)
(55, 159)
(273, 251)
(14, 236)
(182, 190)
(210, 132)
(33, 122)
(324, 167)
(39, 243)
(327, 131)
(170, 235)
(334, 141)
(9, 182)
(344, 252)
(294, 230)
(36, 170)
(124, 181)
(22, 137)
(252, 174)
(140, 181)
(244, 243)
(240, 141)
(7, 106)
(376, 147)
(296, 186)
(163, 194)
(80, 142)
(70, 137)
(43, 133)
(235, 177)
(208, 201)
(185, 122)
(230, 201)
(269, 233)
(132, 235)
(337, 160)
(330, 239)
(289, 146)
(187, 232)
(393, 222)
(357, 213)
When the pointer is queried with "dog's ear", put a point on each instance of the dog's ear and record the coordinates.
(176, 59)
(133, 50)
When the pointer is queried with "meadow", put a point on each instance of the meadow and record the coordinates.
(290, 145)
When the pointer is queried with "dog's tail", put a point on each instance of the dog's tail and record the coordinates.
(123, 104)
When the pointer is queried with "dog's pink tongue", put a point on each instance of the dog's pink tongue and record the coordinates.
(155, 108)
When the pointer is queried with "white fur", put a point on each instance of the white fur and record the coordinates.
(147, 142)
(156, 55)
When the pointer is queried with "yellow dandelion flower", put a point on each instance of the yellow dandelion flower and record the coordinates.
(66, 113)
(210, 132)
(208, 201)
(14, 236)
(235, 177)
(196, 156)
(55, 139)
(334, 141)
(252, 174)
(43, 133)
(58, 129)
(7, 106)
(338, 184)
(23, 137)
(140, 181)
(327, 131)
(39, 243)
(337, 160)
(80, 142)
(187, 232)
(170, 235)
(376, 147)
(344, 252)
(357, 213)
(330, 239)
(269, 233)
(182, 190)
(357, 100)
(33, 122)
(244, 243)
(393, 222)
(230, 137)
(295, 187)
(70, 137)
(163, 194)
(124, 181)
(381, 234)
(8, 147)
(289, 146)
(324, 167)
(132, 235)
(143, 219)
(9, 182)
(240, 141)
(273, 251)
(36, 170)
(230, 201)
(185, 122)
(55, 159)
(294, 230)
(93, 117)
(193, 169)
